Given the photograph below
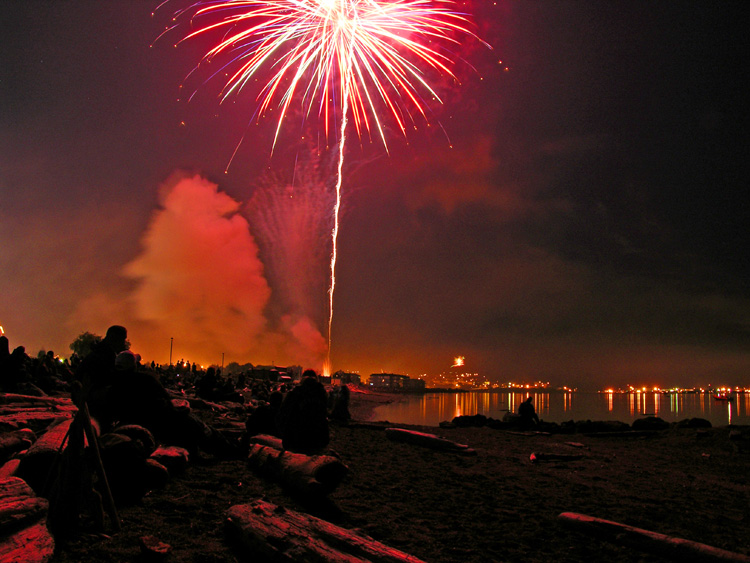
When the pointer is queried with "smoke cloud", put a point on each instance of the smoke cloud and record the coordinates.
(199, 280)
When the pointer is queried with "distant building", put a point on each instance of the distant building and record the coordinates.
(342, 378)
(414, 385)
(396, 382)
(387, 380)
(270, 373)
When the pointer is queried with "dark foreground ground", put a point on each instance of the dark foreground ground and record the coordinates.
(496, 506)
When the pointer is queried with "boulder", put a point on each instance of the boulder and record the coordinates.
(694, 423)
(465, 421)
(140, 434)
(650, 423)
(174, 458)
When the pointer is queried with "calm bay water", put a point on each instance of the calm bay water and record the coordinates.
(432, 408)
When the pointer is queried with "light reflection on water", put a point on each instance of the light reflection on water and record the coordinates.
(432, 408)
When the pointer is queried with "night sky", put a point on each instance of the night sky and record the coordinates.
(575, 212)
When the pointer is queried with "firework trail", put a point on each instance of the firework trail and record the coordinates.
(290, 221)
(369, 58)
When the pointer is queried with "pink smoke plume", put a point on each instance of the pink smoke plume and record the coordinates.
(200, 281)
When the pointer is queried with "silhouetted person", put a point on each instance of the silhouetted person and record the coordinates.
(46, 376)
(97, 371)
(137, 397)
(340, 410)
(528, 414)
(263, 419)
(303, 417)
(4, 348)
(206, 386)
(15, 376)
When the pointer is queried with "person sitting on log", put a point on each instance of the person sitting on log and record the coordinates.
(303, 419)
(97, 371)
(528, 415)
(340, 410)
(137, 397)
(15, 374)
(263, 419)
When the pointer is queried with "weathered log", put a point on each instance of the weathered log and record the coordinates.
(23, 527)
(368, 425)
(428, 440)
(13, 442)
(653, 542)
(36, 463)
(18, 411)
(19, 504)
(266, 440)
(35, 418)
(536, 457)
(9, 468)
(623, 434)
(309, 475)
(34, 544)
(202, 404)
(11, 398)
(279, 534)
(174, 458)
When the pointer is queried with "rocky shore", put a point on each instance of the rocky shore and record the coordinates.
(501, 504)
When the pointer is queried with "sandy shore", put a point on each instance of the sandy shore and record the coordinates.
(364, 403)
(495, 506)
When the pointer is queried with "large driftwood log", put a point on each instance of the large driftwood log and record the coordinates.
(36, 463)
(309, 475)
(428, 440)
(23, 411)
(14, 398)
(266, 440)
(14, 442)
(537, 457)
(23, 527)
(9, 468)
(653, 542)
(283, 535)
(19, 504)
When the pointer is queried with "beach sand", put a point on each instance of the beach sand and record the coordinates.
(495, 506)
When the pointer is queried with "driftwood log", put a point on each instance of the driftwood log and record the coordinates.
(428, 440)
(23, 524)
(623, 434)
(677, 549)
(35, 465)
(316, 475)
(266, 440)
(25, 411)
(14, 399)
(14, 442)
(279, 534)
(537, 457)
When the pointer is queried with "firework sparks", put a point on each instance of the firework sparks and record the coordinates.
(367, 58)
(458, 361)
(370, 53)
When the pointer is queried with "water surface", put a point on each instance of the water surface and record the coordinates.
(432, 408)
